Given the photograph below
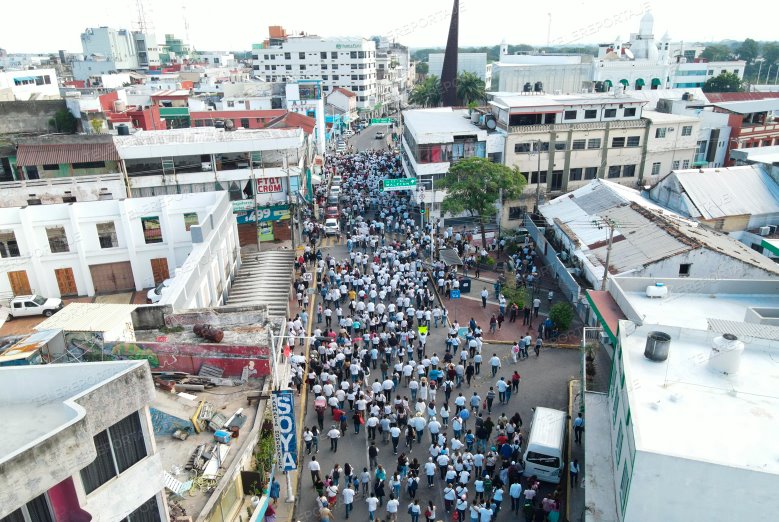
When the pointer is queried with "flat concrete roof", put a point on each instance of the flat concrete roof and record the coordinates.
(598, 468)
(440, 120)
(89, 317)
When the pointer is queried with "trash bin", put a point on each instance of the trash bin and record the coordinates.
(465, 285)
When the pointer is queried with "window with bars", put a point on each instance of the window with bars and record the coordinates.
(687, 130)
(575, 174)
(610, 113)
(578, 144)
(58, 240)
(633, 141)
(628, 171)
(118, 448)
(8, 245)
(618, 143)
(149, 511)
(614, 171)
(591, 173)
(106, 234)
(36, 510)
(593, 143)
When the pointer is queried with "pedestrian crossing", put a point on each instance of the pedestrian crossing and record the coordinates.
(330, 241)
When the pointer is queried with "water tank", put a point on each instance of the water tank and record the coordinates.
(122, 130)
(539, 87)
(528, 87)
(120, 106)
(725, 356)
(657, 290)
(219, 124)
(657, 346)
(475, 117)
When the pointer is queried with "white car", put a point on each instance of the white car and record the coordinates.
(155, 294)
(26, 305)
(337, 179)
(340, 147)
(332, 228)
(335, 190)
(348, 133)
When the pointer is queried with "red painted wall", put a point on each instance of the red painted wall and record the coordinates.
(190, 357)
(64, 502)
(257, 119)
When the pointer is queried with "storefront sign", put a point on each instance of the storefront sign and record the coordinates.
(282, 406)
(266, 214)
(268, 185)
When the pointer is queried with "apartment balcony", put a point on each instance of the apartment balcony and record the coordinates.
(564, 127)
(749, 129)
(700, 160)
(61, 190)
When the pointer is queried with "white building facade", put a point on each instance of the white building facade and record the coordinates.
(30, 84)
(474, 63)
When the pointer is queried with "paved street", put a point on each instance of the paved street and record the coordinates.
(366, 139)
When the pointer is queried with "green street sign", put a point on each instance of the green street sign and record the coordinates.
(422, 211)
(399, 184)
(381, 121)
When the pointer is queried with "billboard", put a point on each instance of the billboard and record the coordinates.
(283, 408)
(269, 185)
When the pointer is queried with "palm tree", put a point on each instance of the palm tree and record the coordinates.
(427, 93)
(470, 88)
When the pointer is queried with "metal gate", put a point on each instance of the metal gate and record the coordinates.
(112, 277)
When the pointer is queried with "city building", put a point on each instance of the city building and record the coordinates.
(29, 84)
(304, 97)
(647, 239)
(108, 50)
(588, 136)
(752, 123)
(474, 63)
(433, 139)
(691, 374)
(338, 62)
(72, 451)
(344, 102)
(555, 73)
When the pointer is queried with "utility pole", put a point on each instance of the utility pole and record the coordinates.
(538, 176)
(291, 204)
(612, 225)
(254, 190)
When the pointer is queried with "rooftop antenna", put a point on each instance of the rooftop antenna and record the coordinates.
(549, 30)
(186, 23)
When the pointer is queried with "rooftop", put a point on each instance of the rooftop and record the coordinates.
(767, 155)
(512, 99)
(664, 117)
(731, 191)
(345, 92)
(443, 121)
(748, 107)
(680, 407)
(65, 148)
(89, 317)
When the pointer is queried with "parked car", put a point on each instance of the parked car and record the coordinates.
(155, 294)
(27, 305)
(332, 228)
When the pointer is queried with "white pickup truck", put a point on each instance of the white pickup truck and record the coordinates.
(26, 305)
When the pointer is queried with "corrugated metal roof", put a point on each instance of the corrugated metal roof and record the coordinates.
(730, 191)
(747, 107)
(743, 330)
(450, 257)
(89, 317)
(55, 153)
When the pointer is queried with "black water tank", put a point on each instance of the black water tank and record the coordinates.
(528, 87)
(539, 87)
(123, 130)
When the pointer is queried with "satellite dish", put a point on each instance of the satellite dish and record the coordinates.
(629, 54)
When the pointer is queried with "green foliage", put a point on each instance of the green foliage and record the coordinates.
(771, 52)
(474, 185)
(171, 329)
(715, 53)
(64, 121)
(489, 261)
(427, 93)
(561, 315)
(422, 68)
(725, 82)
(520, 296)
(470, 88)
(264, 455)
(748, 50)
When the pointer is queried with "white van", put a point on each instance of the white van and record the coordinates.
(544, 454)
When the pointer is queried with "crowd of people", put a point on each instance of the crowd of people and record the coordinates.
(373, 374)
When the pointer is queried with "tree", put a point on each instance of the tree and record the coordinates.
(748, 50)
(422, 68)
(64, 121)
(427, 93)
(97, 126)
(561, 315)
(771, 52)
(716, 53)
(470, 88)
(474, 185)
(725, 82)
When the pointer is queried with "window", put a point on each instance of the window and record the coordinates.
(302, 56)
(590, 172)
(353, 55)
(543, 460)
(232, 103)
(287, 56)
(615, 407)
(618, 445)
(149, 511)
(323, 55)
(520, 148)
(36, 510)
(578, 144)
(686, 164)
(628, 171)
(534, 177)
(687, 130)
(684, 269)
(324, 77)
(190, 218)
(575, 174)
(302, 67)
(634, 141)
(245, 123)
(89, 165)
(614, 171)
(593, 143)
(590, 114)
(623, 487)
(630, 112)
(58, 241)
(8, 245)
(569, 115)
(544, 146)
(656, 168)
(118, 448)
(559, 145)
(618, 143)
(53, 166)
(675, 165)
(660, 132)
(335, 77)
(106, 234)
(152, 232)
(610, 113)
(515, 213)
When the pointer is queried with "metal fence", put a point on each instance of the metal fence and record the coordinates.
(563, 278)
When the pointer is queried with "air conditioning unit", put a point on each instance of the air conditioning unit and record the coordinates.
(773, 229)
(604, 338)
(764, 231)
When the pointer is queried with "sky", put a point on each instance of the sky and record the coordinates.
(236, 24)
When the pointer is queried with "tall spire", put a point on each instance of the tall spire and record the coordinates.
(449, 70)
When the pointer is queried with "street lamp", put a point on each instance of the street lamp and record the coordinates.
(538, 176)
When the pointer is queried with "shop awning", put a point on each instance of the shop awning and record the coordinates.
(608, 84)
(640, 82)
(656, 82)
(624, 82)
(450, 257)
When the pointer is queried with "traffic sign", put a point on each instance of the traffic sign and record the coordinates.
(454, 294)
(308, 276)
(399, 184)
(381, 121)
(422, 211)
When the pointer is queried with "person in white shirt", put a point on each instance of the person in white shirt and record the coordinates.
(430, 468)
(348, 496)
(373, 503)
(392, 508)
(334, 435)
(495, 364)
(314, 468)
